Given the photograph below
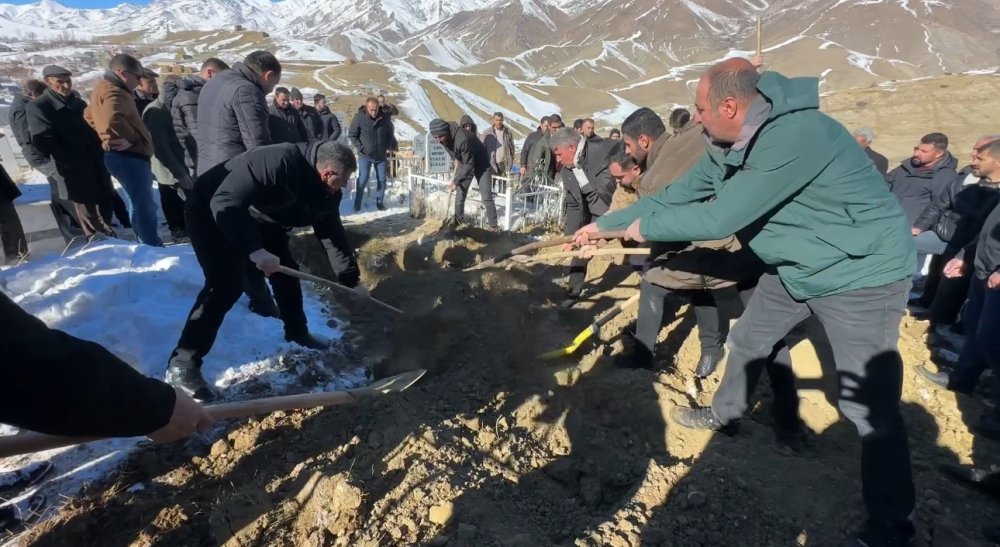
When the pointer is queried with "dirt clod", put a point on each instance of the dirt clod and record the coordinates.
(441, 513)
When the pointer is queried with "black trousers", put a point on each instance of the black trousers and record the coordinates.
(172, 205)
(576, 218)
(863, 329)
(15, 244)
(485, 182)
(942, 296)
(224, 268)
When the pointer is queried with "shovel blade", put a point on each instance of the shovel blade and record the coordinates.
(397, 383)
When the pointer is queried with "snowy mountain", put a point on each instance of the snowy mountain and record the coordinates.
(603, 56)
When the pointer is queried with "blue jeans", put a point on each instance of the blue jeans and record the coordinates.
(982, 345)
(136, 176)
(364, 171)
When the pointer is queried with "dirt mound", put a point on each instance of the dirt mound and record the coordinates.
(497, 448)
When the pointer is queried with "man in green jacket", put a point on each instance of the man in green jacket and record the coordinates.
(810, 203)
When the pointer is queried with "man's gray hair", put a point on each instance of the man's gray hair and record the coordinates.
(338, 156)
(566, 136)
(865, 132)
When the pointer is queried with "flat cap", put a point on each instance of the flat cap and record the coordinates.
(55, 70)
(149, 74)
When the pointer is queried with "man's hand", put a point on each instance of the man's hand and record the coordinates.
(188, 416)
(757, 61)
(994, 281)
(954, 268)
(633, 234)
(582, 236)
(915, 231)
(119, 145)
(567, 247)
(265, 261)
(452, 187)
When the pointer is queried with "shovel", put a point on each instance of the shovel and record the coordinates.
(334, 285)
(593, 329)
(36, 442)
(542, 245)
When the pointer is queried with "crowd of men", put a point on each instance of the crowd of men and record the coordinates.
(758, 207)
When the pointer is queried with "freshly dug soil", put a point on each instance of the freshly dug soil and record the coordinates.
(495, 447)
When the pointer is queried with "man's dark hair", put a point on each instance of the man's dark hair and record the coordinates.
(939, 140)
(280, 90)
(555, 118)
(381, 96)
(337, 154)
(679, 118)
(735, 78)
(992, 149)
(544, 120)
(578, 123)
(643, 122)
(614, 132)
(215, 64)
(33, 87)
(127, 63)
(262, 61)
(626, 161)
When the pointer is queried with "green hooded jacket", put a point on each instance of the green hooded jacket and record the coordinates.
(812, 203)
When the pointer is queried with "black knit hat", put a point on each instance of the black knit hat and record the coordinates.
(439, 127)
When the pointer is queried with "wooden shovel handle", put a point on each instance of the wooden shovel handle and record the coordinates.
(31, 441)
(562, 241)
(334, 285)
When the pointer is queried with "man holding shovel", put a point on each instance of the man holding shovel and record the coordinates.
(837, 244)
(244, 207)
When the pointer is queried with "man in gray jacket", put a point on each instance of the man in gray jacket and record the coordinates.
(232, 119)
(171, 175)
(232, 110)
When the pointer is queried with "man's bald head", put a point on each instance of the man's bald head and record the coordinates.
(725, 92)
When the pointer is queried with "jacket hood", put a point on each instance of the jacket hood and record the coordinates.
(948, 162)
(788, 95)
(191, 84)
(466, 120)
(167, 92)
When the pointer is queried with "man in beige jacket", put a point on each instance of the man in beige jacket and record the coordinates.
(128, 147)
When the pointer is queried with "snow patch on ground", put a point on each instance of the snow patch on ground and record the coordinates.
(133, 299)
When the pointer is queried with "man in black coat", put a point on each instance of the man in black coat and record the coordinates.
(147, 91)
(309, 115)
(243, 208)
(529, 142)
(472, 163)
(184, 109)
(48, 372)
(588, 186)
(285, 122)
(330, 129)
(232, 110)
(62, 209)
(59, 130)
(371, 135)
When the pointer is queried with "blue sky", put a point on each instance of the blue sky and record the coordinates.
(83, 3)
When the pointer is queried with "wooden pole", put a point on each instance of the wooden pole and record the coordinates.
(760, 35)
(334, 285)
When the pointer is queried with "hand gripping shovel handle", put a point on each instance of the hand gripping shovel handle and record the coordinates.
(542, 245)
(30, 441)
(334, 285)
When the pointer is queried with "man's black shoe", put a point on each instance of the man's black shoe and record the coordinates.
(190, 381)
(884, 536)
(701, 418)
(708, 363)
(308, 340)
(982, 479)
(379, 206)
(357, 208)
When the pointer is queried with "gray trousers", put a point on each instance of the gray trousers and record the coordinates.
(485, 181)
(863, 329)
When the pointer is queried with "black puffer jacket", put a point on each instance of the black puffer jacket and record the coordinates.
(330, 126)
(184, 111)
(916, 187)
(287, 125)
(310, 118)
(276, 184)
(232, 117)
(19, 125)
(372, 138)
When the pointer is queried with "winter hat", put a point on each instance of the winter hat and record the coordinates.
(439, 127)
(296, 94)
